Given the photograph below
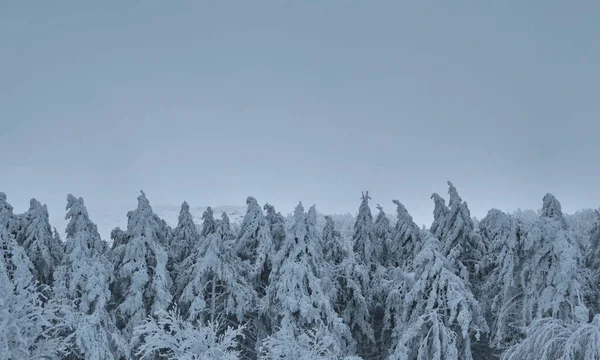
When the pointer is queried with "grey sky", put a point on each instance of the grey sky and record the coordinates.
(211, 101)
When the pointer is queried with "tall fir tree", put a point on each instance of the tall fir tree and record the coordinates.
(405, 242)
(142, 284)
(42, 247)
(29, 327)
(502, 291)
(440, 315)
(82, 280)
(552, 275)
(296, 299)
(185, 238)
(276, 225)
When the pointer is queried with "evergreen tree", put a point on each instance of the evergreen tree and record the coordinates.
(440, 314)
(276, 225)
(254, 244)
(502, 290)
(212, 286)
(185, 239)
(460, 242)
(209, 225)
(29, 329)
(382, 236)
(83, 281)
(405, 242)
(44, 250)
(333, 249)
(592, 261)
(142, 285)
(552, 276)
(296, 299)
(363, 238)
(440, 215)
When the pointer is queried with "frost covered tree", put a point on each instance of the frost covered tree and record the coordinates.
(44, 250)
(29, 329)
(440, 215)
(382, 236)
(363, 241)
(276, 225)
(440, 315)
(142, 285)
(212, 286)
(82, 281)
(254, 245)
(185, 238)
(552, 276)
(333, 249)
(209, 225)
(460, 243)
(405, 242)
(502, 291)
(297, 301)
(171, 337)
(592, 260)
(554, 339)
(346, 291)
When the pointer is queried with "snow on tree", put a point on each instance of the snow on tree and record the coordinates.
(382, 235)
(209, 224)
(7, 218)
(312, 344)
(592, 260)
(502, 289)
(460, 242)
(82, 280)
(212, 286)
(254, 244)
(440, 315)
(44, 250)
(28, 328)
(296, 298)
(174, 338)
(552, 274)
(333, 249)
(185, 238)
(440, 214)
(554, 339)
(363, 238)
(405, 242)
(142, 285)
(276, 225)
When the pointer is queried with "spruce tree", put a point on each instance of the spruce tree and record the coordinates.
(552, 276)
(440, 315)
(142, 285)
(42, 247)
(298, 303)
(276, 225)
(82, 280)
(184, 240)
(405, 242)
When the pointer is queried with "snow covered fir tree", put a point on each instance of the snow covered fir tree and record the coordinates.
(302, 286)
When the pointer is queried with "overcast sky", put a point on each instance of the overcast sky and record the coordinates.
(212, 101)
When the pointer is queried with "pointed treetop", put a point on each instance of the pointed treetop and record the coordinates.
(401, 211)
(454, 197)
(209, 225)
(551, 207)
(299, 210)
(380, 208)
(143, 200)
(185, 207)
(312, 215)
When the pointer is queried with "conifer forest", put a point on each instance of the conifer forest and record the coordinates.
(303, 286)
